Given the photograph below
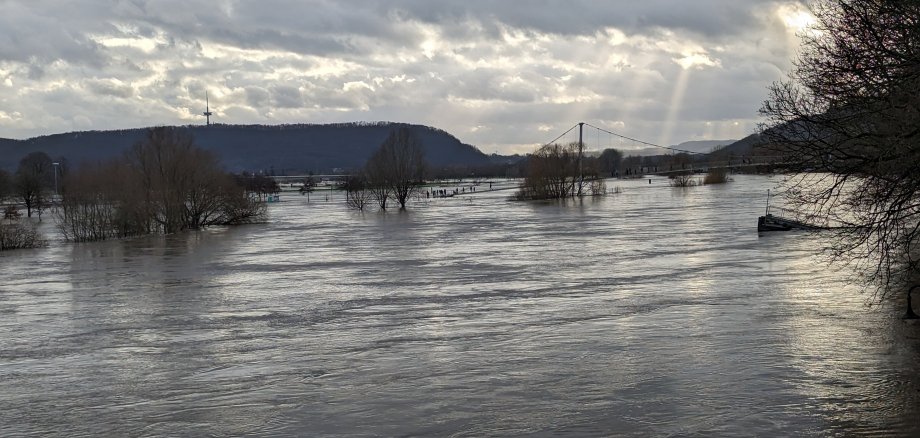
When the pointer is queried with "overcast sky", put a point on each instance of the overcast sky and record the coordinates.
(501, 75)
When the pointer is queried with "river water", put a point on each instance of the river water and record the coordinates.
(653, 312)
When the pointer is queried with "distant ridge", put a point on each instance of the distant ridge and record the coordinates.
(291, 149)
(702, 146)
(752, 145)
(696, 146)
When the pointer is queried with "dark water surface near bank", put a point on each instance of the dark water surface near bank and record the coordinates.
(657, 311)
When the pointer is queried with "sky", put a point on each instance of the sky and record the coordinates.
(505, 76)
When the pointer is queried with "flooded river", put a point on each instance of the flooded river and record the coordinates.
(654, 312)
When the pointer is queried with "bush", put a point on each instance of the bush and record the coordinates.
(683, 180)
(17, 235)
(11, 213)
(597, 187)
(716, 176)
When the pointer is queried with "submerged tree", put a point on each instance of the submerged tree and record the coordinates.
(309, 185)
(397, 169)
(552, 173)
(164, 184)
(847, 122)
(34, 177)
(357, 192)
(260, 185)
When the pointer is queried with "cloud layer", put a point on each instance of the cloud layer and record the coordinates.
(501, 75)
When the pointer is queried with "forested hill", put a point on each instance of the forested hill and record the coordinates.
(290, 149)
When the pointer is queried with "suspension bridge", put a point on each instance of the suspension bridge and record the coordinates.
(671, 161)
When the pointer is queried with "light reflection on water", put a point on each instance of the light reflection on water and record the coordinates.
(657, 311)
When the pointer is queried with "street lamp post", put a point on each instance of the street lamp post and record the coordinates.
(55, 164)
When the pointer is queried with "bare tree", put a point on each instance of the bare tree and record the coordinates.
(93, 204)
(357, 193)
(30, 190)
(397, 169)
(847, 122)
(552, 173)
(166, 164)
(165, 184)
(309, 185)
(32, 181)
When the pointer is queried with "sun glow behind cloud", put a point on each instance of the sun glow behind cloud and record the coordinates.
(796, 17)
(504, 78)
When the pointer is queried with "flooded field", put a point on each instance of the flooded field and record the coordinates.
(654, 312)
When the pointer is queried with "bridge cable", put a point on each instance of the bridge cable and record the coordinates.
(640, 141)
(560, 136)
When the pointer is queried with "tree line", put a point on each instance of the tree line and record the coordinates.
(163, 184)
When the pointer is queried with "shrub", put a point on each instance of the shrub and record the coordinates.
(11, 213)
(17, 235)
(597, 187)
(683, 180)
(716, 176)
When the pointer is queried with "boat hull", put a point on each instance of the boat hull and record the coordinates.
(776, 223)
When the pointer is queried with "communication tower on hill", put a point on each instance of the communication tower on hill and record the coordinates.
(207, 108)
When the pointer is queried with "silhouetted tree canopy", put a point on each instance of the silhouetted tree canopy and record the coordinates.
(609, 161)
(848, 122)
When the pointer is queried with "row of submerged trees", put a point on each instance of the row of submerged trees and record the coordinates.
(164, 184)
(395, 172)
(559, 171)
